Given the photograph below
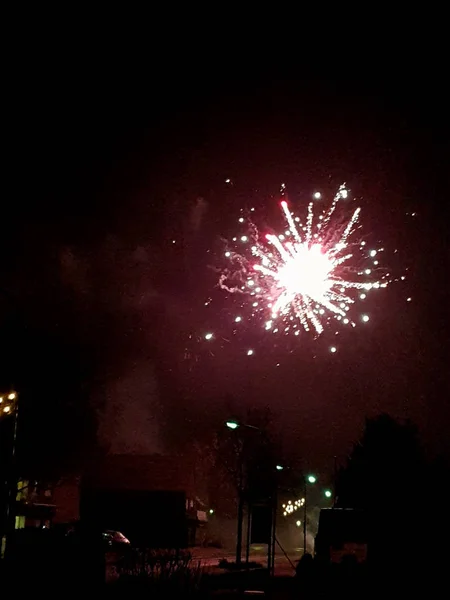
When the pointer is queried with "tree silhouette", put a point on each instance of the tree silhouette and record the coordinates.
(384, 468)
(385, 475)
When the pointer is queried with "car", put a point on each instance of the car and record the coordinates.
(114, 538)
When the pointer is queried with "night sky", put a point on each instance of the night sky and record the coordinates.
(99, 303)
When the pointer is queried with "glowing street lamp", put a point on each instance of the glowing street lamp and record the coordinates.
(232, 424)
(311, 479)
(7, 404)
(279, 467)
(328, 493)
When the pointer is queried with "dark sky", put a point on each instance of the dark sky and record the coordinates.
(107, 171)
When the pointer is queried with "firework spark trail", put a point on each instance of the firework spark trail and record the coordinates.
(304, 277)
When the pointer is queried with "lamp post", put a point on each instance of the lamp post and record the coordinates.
(233, 425)
(9, 407)
(309, 479)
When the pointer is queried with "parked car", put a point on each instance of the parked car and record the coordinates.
(114, 538)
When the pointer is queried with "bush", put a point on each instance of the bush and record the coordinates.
(164, 573)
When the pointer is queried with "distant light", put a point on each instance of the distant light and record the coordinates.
(227, 180)
(232, 424)
(333, 349)
(328, 493)
(244, 238)
(373, 252)
(344, 193)
(238, 319)
(227, 254)
(312, 478)
(7, 409)
(365, 318)
(1, 399)
(298, 523)
(279, 467)
(241, 219)
(317, 195)
(250, 282)
(174, 241)
(12, 396)
(367, 271)
(211, 511)
(208, 336)
(363, 296)
(249, 352)
(407, 300)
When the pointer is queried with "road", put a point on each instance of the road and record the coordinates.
(210, 557)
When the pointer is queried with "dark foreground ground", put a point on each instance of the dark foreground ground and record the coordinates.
(318, 581)
(81, 568)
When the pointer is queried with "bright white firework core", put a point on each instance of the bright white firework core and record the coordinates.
(304, 273)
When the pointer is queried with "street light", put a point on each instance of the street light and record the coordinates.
(328, 493)
(233, 424)
(9, 407)
(309, 479)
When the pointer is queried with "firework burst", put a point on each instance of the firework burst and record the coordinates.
(307, 275)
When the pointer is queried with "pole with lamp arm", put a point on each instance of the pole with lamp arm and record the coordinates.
(233, 425)
(309, 479)
(9, 408)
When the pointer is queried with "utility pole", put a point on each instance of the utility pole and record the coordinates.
(304, 517)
